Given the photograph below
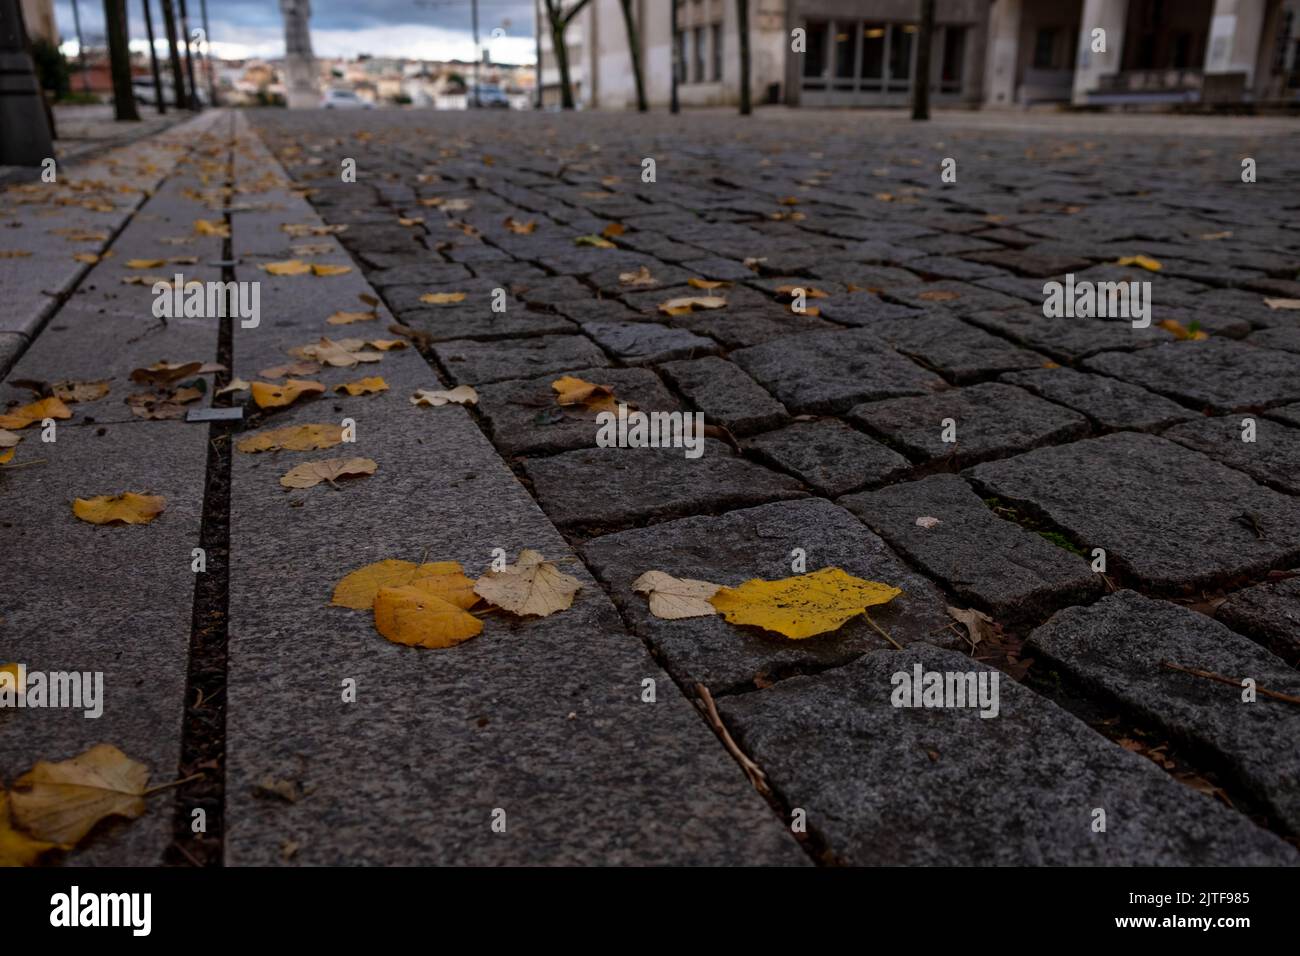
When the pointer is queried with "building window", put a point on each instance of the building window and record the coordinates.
(846, 39)
(716, 48)
(872, 70)
(954, 59)
(1045, 49)
(814, 59)
(698, 60)
(900, 56)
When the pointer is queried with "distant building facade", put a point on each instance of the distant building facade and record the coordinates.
(984, 53)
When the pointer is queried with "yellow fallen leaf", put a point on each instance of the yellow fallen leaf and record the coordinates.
(599, 242)
(673, 598)
(520, 228)
(363, 386)
(416, 618)
(460, 395)
(707, 283)
(532, 585)
(209, 227)
(347, 318)
(938, 295)
(165, 373)
(789, 201)
(126, 508)
(386, 345)
(1181, 332)
(1214, 236)
(442, 579)
(7, 455)
(642, 276)
(15, 254)
(61, 802)
(145, 263)
(804, 605)
(323, 269)
(1146, 262)
(570, 390)
(344, 353)
(311, 473)
(410, 220)
(432, 201)
(17, 848)
(443, 298)
(293, 438)
(51, 407)
(289, 267)
(268, 395)
(89, 257)
(613, 229)
(692, 303)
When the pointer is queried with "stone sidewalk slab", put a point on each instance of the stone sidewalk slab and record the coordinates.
(758, 543)
(992, 420)
(615, 487)
(726, 395)
(1170, 517)
(1272, 458)
(1108, 403)
(1118, 648)
(1268, 614)
(829, 372)
(1219, 375)
(829, 456)
(887, 785)
(984, 560)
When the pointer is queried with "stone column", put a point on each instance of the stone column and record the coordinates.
(1235, 28)
(1002, 51)
(301, 87)
(1108, 15)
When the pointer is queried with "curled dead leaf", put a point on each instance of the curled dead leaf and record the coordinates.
(692, 303)
(268, 395)
(532, 585)
(443, 298)
(312, 473)
(25, 415)
(570, 390)
(292, 438)
(363, 386)
(126, 508)
(460, 395)
(62, 802)
(673, 598)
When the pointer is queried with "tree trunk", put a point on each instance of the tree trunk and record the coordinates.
(634, 47)
(178, 75)
(562, 61)
(673, 104)
(119, 57)
(207, 55)
(742, 29)
(193, 99)
(921, 82)
(153, 61)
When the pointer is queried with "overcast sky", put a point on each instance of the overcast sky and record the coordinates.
(429, 29)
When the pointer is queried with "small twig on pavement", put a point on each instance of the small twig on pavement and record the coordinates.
(752, 770)
(881, 631)
(1230, 681)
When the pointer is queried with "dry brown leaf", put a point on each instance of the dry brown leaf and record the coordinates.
(145, 263)
(532, 585)
(209, 227)
(165, 373)
(363, 386)
(347, 318)
(345, 353)
(570, 390)
(16, 847)
(386, 345)
(323, 269)
(692, 303)
(642, 276)
(443, 298)
(126, 508)
(707, 283)
(293, 438)
(62, 802)
(460, 395)
(520, 228)
(80, 391)
(938, 295)
(289, 267)
(311, 473)
(613, 229)
(268, 395)
(673, 598)
(1181, 332)
(1282, 303)
(236, 385)
(162, 405)
(1146, 262)
(293, 369)
(809, 292)
(978, 624)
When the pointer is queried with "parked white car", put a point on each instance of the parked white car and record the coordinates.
(343, 100)
(490, 96)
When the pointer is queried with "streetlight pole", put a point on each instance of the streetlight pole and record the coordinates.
(478, 52)
(153, 60)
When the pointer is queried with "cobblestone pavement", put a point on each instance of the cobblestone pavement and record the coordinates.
(1092, 489)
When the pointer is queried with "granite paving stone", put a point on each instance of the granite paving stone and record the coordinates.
(1171, 517)
(1273, 457)
(473, 363)
(1108, 403)
(725, 394)
(829, 372)
(985, 560)
(647, 343)
(887, 785)
(956, 350)
(829, 456)
(1118, 648)
(992, 420)
(1268, 613)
